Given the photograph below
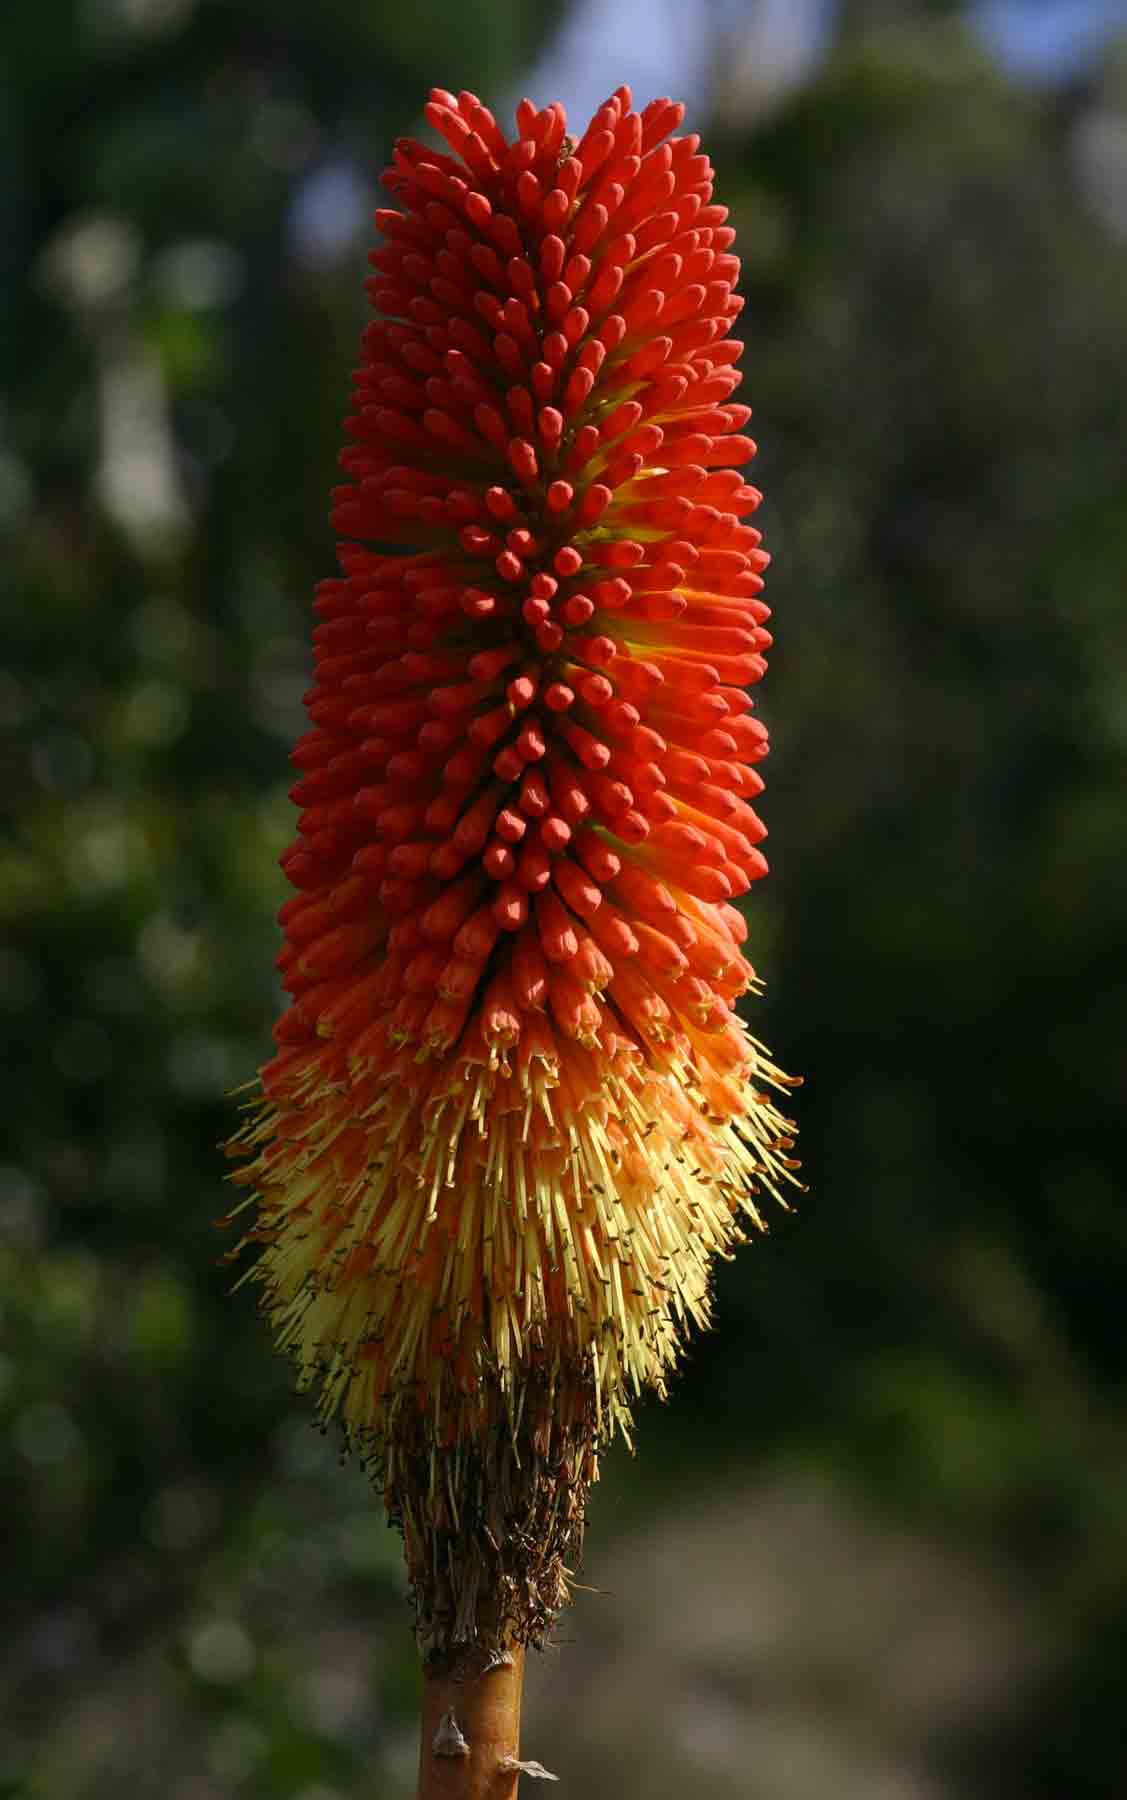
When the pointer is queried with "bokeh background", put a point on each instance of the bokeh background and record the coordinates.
(876, 1547)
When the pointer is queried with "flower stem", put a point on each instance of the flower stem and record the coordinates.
(470, 1734)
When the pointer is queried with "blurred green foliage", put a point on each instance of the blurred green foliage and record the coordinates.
(197, 1601)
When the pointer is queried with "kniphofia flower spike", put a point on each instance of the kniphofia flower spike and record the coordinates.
(514, 1114)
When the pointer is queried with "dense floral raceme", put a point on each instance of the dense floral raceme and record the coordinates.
(514, 1114)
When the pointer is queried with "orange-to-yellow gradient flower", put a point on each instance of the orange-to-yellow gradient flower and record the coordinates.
(514, 1115)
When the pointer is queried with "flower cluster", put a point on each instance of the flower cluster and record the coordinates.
(514, 1114)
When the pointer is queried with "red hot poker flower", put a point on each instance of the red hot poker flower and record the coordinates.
(514, 1113)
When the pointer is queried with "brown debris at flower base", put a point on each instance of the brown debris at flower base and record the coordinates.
(491, 1525)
